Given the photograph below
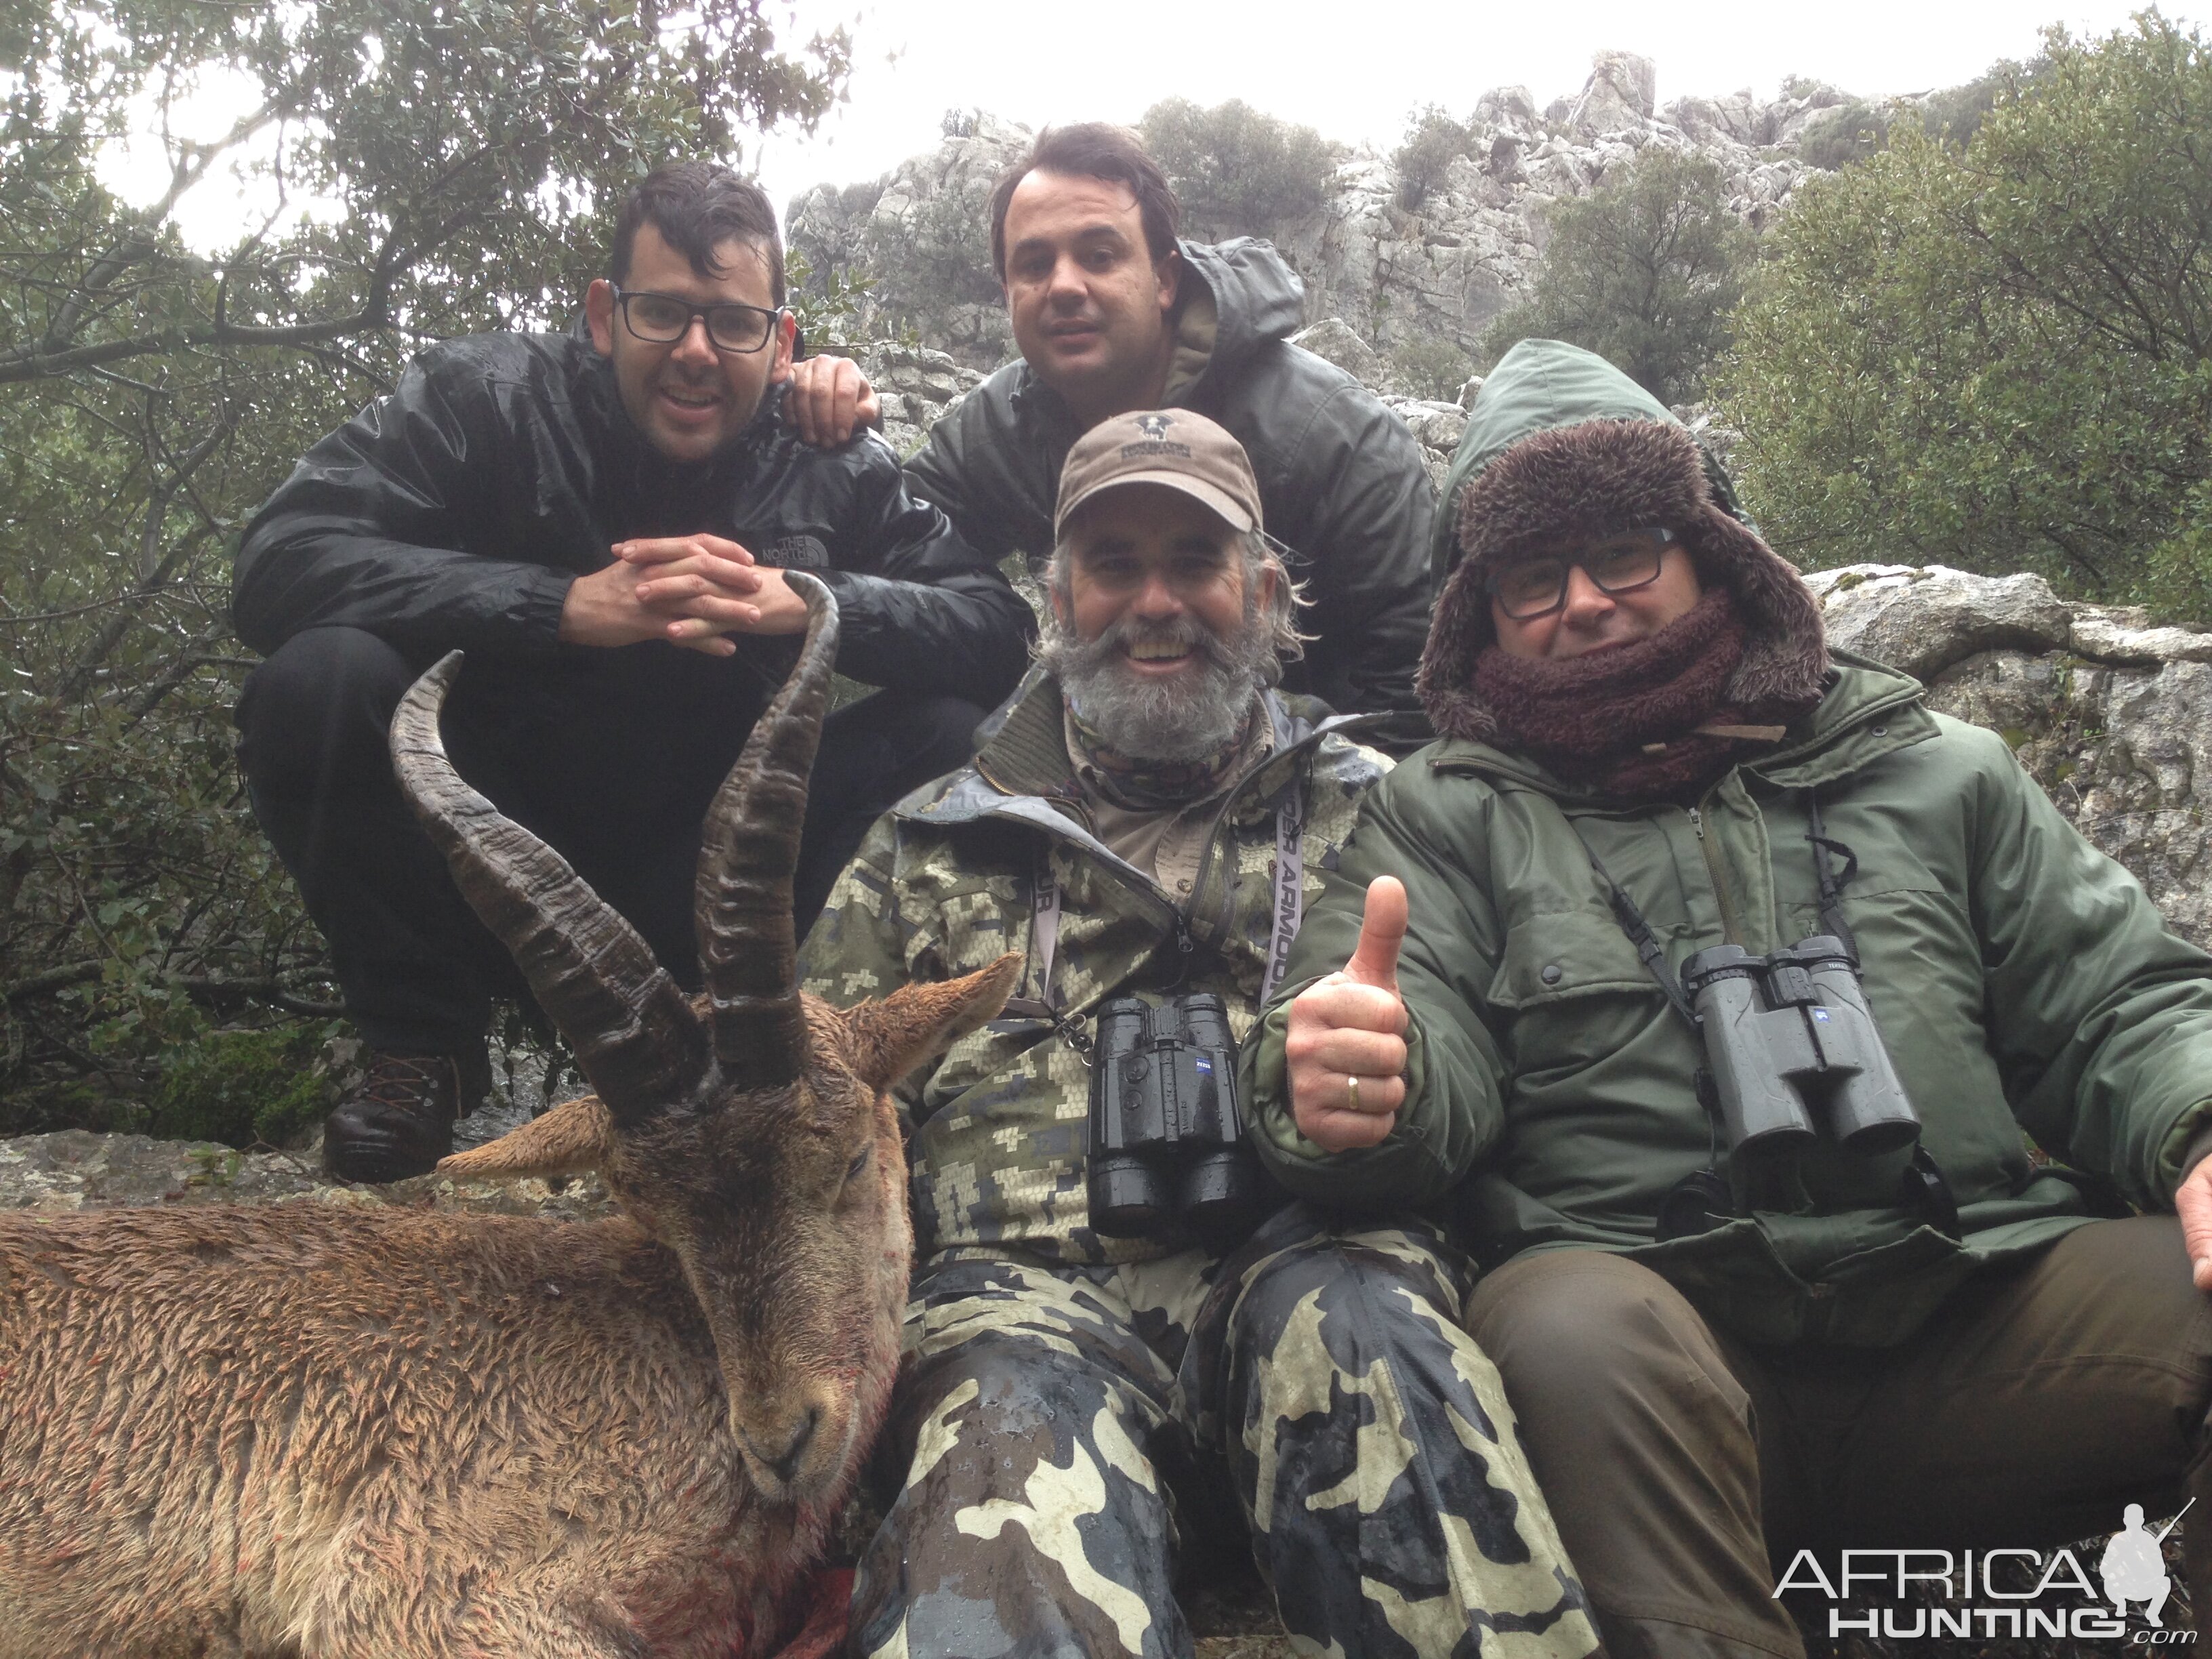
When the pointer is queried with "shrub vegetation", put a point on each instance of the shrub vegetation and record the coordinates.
(2000, 356)
(1237, 172)
(1644, 270)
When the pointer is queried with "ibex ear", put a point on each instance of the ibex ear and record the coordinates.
(892, 1037)
(574, 1136)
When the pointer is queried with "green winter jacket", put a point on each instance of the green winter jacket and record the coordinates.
(2021, 980)
(945, 883)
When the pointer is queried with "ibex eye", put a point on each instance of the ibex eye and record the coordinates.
(860, 1162)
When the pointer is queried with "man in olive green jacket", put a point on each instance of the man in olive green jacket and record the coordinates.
(1723, 1350)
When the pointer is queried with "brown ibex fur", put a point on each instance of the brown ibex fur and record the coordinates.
(304, 1430)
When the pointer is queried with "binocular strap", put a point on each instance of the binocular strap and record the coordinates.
(1289, 906)
(1702, 1201)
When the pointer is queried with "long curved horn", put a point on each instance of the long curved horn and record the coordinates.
(635, 1037)
(748, 952)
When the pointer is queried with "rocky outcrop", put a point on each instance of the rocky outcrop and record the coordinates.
(1416, 282)
(76, 1169)
(2111, 714)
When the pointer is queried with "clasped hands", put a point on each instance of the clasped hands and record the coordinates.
(1346, 1042)
(692, 591)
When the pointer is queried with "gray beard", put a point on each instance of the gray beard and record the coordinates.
(1178, 721)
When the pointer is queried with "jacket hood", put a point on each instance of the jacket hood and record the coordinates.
(1537, 386)
(1567, 449)
(1256, 298)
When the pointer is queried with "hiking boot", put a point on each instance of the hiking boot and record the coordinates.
(398, 1121)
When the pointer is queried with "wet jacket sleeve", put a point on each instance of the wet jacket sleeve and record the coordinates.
(370, 532)
(931, 614)
(1452, 1111)
(944, 471)
(1368, 504)
(2100, 1016)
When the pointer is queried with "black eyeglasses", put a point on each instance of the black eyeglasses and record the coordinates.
(1619, 563)
(664, 319)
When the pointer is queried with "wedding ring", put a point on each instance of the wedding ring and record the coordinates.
(1352, 1086)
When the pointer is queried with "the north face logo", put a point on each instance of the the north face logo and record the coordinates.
(1155, 426)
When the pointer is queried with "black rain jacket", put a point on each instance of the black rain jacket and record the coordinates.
(457, 510)
(1340, 479)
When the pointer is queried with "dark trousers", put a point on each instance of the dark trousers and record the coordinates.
(611, 755)
(1687, 1469)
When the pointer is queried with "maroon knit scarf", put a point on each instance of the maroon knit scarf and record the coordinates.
(1644, 721)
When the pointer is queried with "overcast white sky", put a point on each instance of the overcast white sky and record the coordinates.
(1355, 70)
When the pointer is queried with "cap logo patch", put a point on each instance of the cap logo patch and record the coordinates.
(1155, 426)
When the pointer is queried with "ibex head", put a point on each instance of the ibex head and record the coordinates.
(749, 1131)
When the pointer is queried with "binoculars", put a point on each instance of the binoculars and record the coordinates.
(1788, 1036)
(1167, 1139)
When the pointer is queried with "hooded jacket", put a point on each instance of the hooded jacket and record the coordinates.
(1342, 482)
(947, 881)
(2020, 980)
(458, 510)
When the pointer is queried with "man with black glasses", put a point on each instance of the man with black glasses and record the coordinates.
(601, 520)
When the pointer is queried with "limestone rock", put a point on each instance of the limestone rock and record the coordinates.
(1436, 427)
(922, 234)
(1921, 621)
(1336, 340)
(1617, 96)
(1395, 277)
(2111, 716)
(916, 385)
(76, 1169)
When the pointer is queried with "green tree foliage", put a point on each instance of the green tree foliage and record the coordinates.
(1848, 133)
(1853, 131)
(407, 170)
(2002, 357)
(1643, 270)
(1433, 142)
(1237, 172)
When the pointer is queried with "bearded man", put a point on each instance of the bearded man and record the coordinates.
(1148, 820)
(1689, 893)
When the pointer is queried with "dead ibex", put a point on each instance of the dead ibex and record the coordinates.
(319, 1432)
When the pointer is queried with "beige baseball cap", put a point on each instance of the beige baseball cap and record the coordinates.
(1171, 446)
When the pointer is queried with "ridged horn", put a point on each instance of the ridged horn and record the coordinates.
(635, 1036)
(748, 950)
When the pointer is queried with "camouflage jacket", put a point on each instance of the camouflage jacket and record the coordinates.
(946, 882)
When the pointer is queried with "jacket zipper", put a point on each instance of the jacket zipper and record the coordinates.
(1731, 929)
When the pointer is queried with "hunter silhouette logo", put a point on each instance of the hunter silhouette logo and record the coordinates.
(2133, 1568)
(1155, 426)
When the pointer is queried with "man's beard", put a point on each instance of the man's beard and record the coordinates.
(1187, 718)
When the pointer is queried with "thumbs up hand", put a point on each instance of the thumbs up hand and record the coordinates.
(1345, 1041)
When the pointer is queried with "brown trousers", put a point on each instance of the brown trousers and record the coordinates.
(1685, 1468)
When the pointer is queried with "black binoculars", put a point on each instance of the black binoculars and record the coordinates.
(1788, 1034)
(1167, 1139)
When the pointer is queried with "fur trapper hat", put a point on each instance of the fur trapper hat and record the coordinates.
(1571, 483)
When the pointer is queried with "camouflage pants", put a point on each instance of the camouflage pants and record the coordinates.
(1059, 1422)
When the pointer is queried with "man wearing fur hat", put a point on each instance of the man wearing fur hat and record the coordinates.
(1730, 1334)
(1093, 1368)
